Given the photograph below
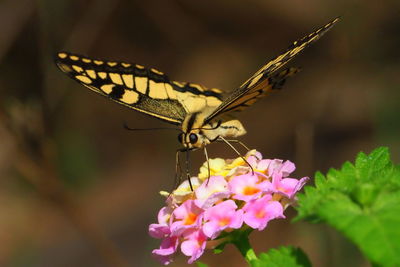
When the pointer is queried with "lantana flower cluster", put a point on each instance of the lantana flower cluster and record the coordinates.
(230, 196)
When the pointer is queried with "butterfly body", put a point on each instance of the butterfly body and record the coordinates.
(198, 111)
(197, 133)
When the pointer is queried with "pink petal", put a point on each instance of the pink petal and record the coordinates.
(237, 220)
(259, 212)
(209, 192)
(291, 186)
(211, 229)
(164, 214)
(189, 206)
(212, 199)
(254, 153)
(192, 249)
(220, 209)
(186, 216)
(245, 187)
(288, 186)
(220, 217)
(159, 230)
(168, 247)
(301, 183)
(287, 168)
(194, 246)
(274, 166)
(166, 251)
(252, 160)
(263, 164)
(266, 187)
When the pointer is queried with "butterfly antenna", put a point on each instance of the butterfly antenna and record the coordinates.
(126, 127)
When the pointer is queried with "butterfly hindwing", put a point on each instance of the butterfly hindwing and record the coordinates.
(266, 79)
(146, 90)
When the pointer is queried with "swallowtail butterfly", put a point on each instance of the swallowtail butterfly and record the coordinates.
(198, 111)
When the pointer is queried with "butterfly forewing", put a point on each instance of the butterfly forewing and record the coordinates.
(262, 89)
(267, 78)
(146, 90)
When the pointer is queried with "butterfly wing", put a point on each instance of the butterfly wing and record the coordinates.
(146, 90)
(266, 79)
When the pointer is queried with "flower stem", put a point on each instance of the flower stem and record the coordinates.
(243, 245)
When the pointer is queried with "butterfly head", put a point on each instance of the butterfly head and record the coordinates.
(197, 132)
(192, 135)
(191, 140)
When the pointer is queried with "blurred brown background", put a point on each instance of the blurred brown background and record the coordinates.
(78, 190)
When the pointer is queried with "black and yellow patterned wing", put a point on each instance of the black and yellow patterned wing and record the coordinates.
(146, 90)
(267, 78)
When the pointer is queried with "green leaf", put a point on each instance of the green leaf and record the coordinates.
(362, 201)
(284, 256)
(219, 249)
(200, 264)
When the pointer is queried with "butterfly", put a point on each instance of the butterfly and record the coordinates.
(201, 113)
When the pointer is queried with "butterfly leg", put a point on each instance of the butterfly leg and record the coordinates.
(187, 168)
(208, 163)
(237, 152)
(178, 169)
(240, 143)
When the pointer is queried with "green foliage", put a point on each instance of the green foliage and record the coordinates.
(219, 249)
(239, 238)
(362, 201)
(200, 264)
(284, 256)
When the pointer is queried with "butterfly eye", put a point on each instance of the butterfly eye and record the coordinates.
(193, 138)
(180, 137)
